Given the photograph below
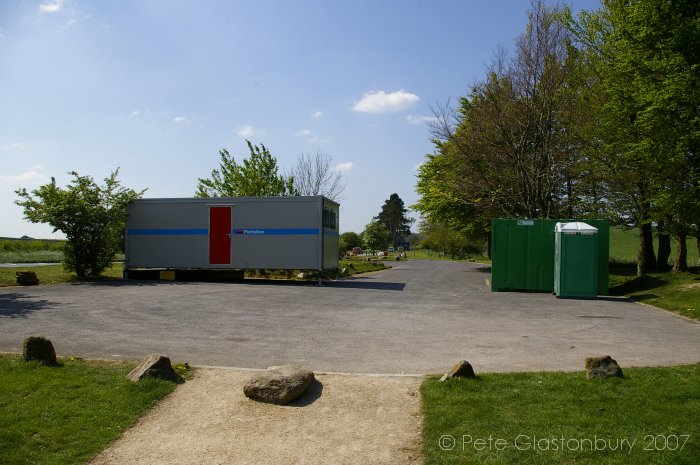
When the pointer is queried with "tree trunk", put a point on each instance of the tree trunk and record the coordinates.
(646, 260)
(664, 251)
(569, 196)
(681, 261)
(488, 245)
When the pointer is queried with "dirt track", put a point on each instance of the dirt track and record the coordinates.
(342, 419)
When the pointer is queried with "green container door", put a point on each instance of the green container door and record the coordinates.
(576, 252)
(522, 254)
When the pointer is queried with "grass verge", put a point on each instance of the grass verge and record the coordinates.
(427, 254)
(548, 418)
(53, 274)
(677, 292)
(68, 413)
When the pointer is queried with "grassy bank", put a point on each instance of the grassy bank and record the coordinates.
(427, 254)
(53, 274)
(677, 292)
(543, 418)
(68, 413)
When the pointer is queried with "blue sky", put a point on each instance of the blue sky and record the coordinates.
(158, 87)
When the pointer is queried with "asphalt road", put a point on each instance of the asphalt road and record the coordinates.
(419, 317)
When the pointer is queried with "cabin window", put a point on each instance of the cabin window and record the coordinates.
(329, 219)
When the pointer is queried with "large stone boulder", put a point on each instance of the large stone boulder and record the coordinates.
(462, 369)
(602, 367)
(279, 385)
(26, 278)
(154, 366)
(39, 348)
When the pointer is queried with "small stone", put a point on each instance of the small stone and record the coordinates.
(39, 348)
(462, 369)
(279, 385)
(154, 366)
(602, 367)
(26, 278)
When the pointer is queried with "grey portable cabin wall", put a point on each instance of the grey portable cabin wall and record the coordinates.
(265, 232)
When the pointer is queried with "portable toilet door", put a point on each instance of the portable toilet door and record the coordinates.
(575, 260)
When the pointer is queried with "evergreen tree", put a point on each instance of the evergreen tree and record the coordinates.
(393, 218)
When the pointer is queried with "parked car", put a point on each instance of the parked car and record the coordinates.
(356, 251)
(390, 249)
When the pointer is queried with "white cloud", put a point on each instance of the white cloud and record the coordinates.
(51, 7)
(416, 119)
(344, 167)
(317, 114)
(32, 176)
(316, 140)
(303, 133)
(378, 101)
(15, 146)
(249, 131)
(135, 113)
(180, 120)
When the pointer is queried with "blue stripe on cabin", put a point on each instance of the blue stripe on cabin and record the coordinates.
(237, 231)
(169, 232)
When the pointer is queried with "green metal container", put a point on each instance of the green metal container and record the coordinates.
(575, 260)
(522, 254)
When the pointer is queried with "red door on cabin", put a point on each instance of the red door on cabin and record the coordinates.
(219, 235)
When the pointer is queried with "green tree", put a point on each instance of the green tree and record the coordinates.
(646, 57)
(91, 216)
(257, 176)
(510, 148)
(440, 238)
(348, 240)
(376, 236)
(393, 217)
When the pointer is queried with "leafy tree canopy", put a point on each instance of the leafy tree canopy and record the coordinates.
(257, 176)
(91, 216)
(375, 236)
(348, 240)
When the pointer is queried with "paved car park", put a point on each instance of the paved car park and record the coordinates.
(417, 318)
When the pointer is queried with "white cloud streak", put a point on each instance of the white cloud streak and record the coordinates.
(344, 167)
(51, 7)
(417, 119)
(249, 131)
(33, 175)
(317, 114)
(15, 146)
(180, 120)
(303, 133)
(378, 101)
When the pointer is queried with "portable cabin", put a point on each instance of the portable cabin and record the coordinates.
(232, 233)
(575, 260)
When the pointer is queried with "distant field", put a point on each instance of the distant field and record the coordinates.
(624, 245)
(30, 250)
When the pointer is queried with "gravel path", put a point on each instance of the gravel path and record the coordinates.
(342, 419)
